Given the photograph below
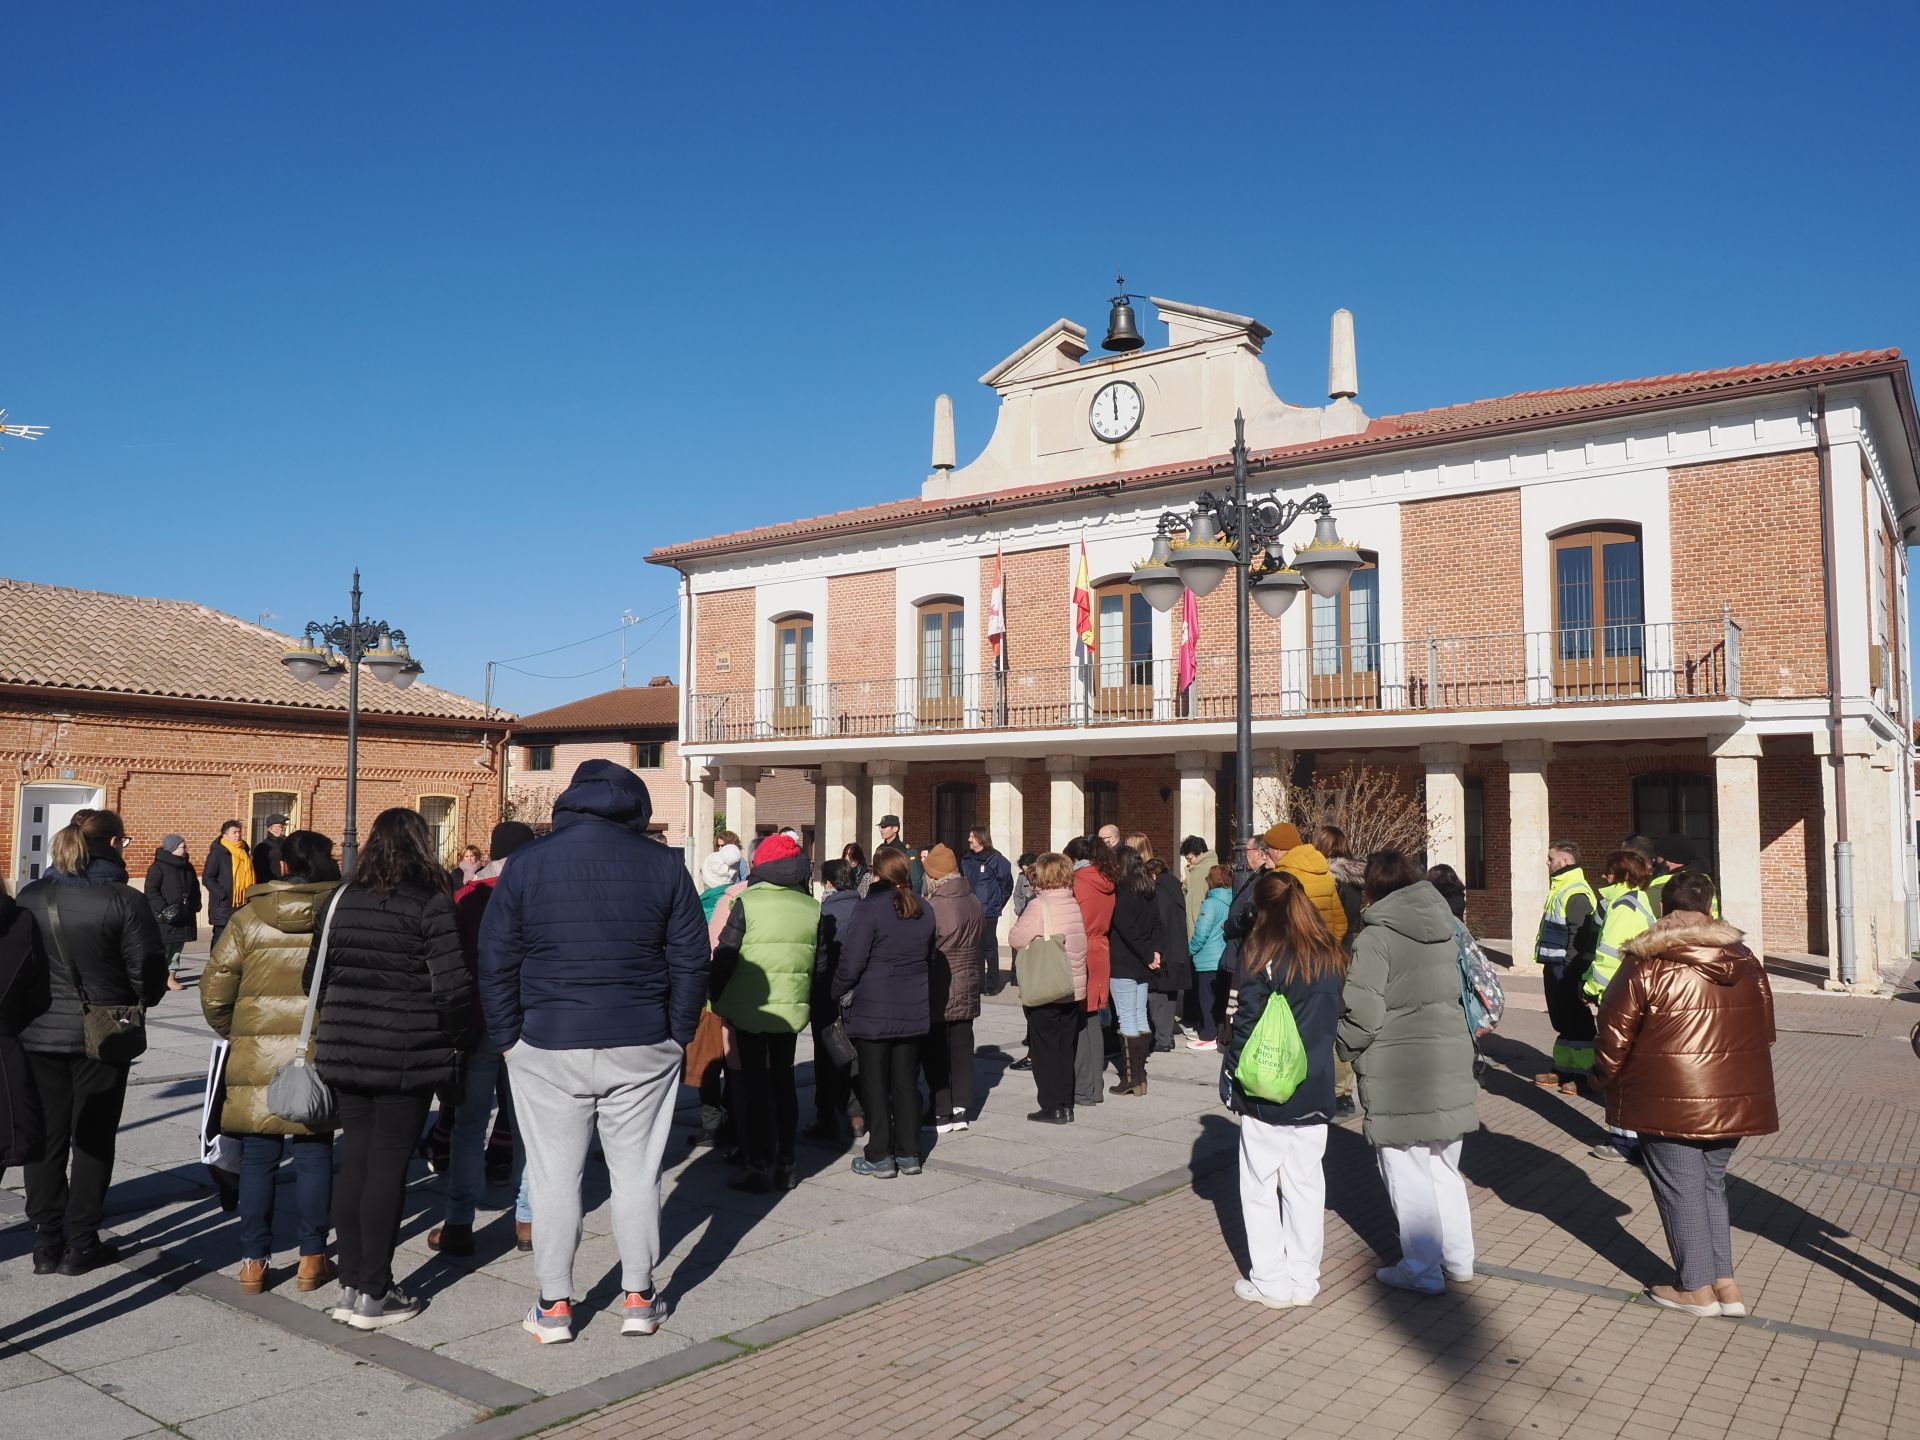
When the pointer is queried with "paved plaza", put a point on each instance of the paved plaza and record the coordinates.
(1070, 1282)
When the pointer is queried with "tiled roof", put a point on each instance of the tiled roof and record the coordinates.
(175, 649)
(1453, 422)
(632, 708)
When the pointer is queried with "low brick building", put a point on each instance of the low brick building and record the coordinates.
(1580, 612)
(181, 717)
(639, 727)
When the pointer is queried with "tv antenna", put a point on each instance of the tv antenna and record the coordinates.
(20, 432)
(627, 621)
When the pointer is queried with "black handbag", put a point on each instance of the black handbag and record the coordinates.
(838, 1045)
(115, 1034)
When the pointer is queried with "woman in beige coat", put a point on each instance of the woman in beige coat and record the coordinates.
(252, 997)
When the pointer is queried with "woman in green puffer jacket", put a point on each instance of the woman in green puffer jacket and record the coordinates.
(252, 997)
(1403, 1027)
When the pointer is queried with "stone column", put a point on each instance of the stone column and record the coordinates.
(1199, 813)
(1067, 799)
(839, 791)
(700, 785)
(887, 793)
(1736, 773)
(1271, 771)
(1888, 947)
(1529, 834)
(742, 801)
(1447, 806)
(1006, 806)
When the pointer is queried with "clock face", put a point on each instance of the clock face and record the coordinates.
(1116, 411)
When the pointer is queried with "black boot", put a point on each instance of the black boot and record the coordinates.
(1123, 1062)
(1143, 1048)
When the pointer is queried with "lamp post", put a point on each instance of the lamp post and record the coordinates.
(340, 647)
(1194, 549)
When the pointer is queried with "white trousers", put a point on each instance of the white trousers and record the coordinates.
(1287, 1229)
(1430, 1202)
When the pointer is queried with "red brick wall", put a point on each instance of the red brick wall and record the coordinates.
(1139, 784)
(1793, 853)
(1460, 565)
(861, 628)
(1489, 909)
(1039, 611)
(723, 626)
(1746, 533)
(185, 772)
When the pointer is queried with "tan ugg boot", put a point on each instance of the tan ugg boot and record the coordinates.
(315, 1271)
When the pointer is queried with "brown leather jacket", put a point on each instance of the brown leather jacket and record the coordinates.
(1685, 1031)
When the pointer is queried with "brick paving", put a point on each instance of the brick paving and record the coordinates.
(1128, 1327)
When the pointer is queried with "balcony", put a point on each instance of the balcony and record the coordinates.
(1681, 661)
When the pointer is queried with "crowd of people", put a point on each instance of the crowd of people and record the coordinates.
(564, 986)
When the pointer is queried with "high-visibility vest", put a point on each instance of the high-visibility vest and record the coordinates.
(1554, 944)
(1629, 916)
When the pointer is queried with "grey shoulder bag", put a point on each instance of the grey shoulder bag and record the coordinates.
(296, 1093)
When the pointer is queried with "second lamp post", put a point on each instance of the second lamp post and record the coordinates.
(1194, 549)
(340, 647)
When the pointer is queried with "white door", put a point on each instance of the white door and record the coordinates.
(44, 811)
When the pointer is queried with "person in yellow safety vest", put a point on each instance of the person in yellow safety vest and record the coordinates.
(1569, 930)
(1609, 893)
(1629, 915)
(1677, 853)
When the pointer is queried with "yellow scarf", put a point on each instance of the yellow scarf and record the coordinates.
(243, 876)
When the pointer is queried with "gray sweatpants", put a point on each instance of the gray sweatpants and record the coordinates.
(1689, 1179)
(559, 1096)
(1090, 1062)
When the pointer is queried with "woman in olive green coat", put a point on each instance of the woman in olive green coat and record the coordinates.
(252, 997)
(1405, 1030)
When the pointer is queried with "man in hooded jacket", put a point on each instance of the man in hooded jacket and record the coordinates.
(593, 974)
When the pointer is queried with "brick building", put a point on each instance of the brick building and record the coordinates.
(1582, 612)
(180, 717)
(638, 727)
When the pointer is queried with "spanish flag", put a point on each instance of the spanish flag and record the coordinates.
(1083, 641)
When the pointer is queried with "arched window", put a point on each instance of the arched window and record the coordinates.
(1123, 652)
(1599, 612)
(793, 672)
(1677, 802)
(1345, 635)
(942, 647)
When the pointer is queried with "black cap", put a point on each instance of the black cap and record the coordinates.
(889, 822)
(276, 820)
(508, 836)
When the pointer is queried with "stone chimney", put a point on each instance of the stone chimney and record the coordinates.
(1343, 375)
(943, 432)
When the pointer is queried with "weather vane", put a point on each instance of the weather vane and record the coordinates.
(23, 432)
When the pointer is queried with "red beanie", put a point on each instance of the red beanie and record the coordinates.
(776, 846)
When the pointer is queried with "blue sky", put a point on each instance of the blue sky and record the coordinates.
(491, 299)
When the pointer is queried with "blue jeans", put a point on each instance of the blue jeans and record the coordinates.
(467, 1151)
(312, 1188)
(1130, 1006)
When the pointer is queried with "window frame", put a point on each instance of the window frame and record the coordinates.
(638, 750)
(256, 815)
(1700, 781)
(1604, 656)
(1131, 698)
(793, 699)
(534, 767)
(939, 696)
(451, 824)
(1105, 810)
(1349, 685)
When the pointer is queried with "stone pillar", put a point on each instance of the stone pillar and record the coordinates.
(700, 784)
(839, 800)
(1006, 806)
(1889, 949)
(1067, 799)
(887, 791)
(1199, 810)
(1271, 771)
(1856, 773)
(1529, 833)
(1736, 772)
(742, 802)
(1447, 806)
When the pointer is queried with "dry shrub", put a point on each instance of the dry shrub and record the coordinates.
(1369, 804)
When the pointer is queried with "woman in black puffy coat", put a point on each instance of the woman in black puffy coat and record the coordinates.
(397, 1014)
(886, 954)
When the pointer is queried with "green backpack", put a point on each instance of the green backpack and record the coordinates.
(1274, 1061)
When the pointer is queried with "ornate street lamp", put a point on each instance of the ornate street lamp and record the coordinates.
(341, 647)
(1193, 550)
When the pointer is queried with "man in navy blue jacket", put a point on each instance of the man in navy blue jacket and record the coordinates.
(990, 878)
(593, 974)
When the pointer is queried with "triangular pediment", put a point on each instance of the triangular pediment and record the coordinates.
(1056, 348)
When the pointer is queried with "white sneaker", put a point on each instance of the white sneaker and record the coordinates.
(1396, 1277)
(550, 1327)
(1460, 1277)
(1247, 1290)
(947, 1127)
(1203, 1044)
(640, 1316)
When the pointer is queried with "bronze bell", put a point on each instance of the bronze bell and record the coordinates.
(1122, 334)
